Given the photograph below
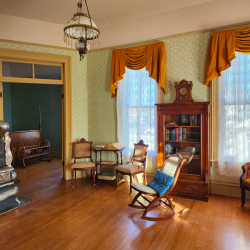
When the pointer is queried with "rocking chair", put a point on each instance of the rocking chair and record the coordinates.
(171, 167)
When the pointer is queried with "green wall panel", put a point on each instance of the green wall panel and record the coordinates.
(7, 104)
(25, 100)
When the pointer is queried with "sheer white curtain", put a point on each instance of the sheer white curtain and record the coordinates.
(234, 117)
(137, 95)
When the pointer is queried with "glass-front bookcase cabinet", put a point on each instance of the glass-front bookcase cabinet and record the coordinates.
(184, 129)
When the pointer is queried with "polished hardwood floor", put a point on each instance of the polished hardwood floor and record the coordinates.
(98, 217)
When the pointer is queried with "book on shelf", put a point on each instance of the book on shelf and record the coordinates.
(184, 134)
(108, 162)
(167, 134)
(111, 146)
(180, 134)
(195, 120)
(98, 146)
(171, 124)
(192, 120)
(193, 139)
(114, 146)
(177, 134)
(184, 152)
(173, 135)
(107, 176)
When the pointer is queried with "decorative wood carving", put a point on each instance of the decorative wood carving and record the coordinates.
(184, 92)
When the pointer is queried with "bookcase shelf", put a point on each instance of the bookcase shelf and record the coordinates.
(183, 126)
(184, 141)
(192, 122)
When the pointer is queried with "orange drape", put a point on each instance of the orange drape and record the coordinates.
(152, 56)
(221, 50)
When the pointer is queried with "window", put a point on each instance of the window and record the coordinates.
(30, 72)
(234, 116)
(136, 110)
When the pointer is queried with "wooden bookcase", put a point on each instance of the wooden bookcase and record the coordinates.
(194, 179)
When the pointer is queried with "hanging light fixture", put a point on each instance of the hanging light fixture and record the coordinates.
(81, 29)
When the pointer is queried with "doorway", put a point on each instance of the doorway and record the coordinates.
(32, 107)
(37, 63)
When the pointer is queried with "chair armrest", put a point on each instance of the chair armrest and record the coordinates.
(245, 171)
(140, 166)
(129, 162)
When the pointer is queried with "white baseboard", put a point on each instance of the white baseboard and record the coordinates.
(227, 188)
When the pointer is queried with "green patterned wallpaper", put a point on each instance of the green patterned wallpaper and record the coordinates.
(79, 84)
(102, 109)
(186, 57)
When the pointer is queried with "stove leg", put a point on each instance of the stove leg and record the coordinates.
(17, 200)
(17, 192)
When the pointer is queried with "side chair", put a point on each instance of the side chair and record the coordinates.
(83, 150)
(245, 181)
(171, 166)
(137, 165)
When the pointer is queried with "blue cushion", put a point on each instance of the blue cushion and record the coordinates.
(161, 182)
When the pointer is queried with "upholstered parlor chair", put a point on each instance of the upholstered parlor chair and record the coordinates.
(137, 165)
(245, 181)
(159, 190)
(83, 150)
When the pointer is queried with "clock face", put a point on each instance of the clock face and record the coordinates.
(183, 91)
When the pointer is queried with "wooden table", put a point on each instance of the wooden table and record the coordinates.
(100, 150)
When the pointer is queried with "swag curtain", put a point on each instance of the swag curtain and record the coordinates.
(152, 56)
(222, 48)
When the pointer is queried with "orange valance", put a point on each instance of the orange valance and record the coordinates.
(152, 56)
(221, 50)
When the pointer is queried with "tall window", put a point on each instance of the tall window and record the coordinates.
(234, 116)
(136, 110)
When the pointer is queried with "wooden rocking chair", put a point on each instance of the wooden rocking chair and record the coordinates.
(172, 167)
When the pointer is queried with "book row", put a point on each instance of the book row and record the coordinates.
(176, 134)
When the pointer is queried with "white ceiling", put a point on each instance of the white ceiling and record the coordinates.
(103, 12)
(119, 21)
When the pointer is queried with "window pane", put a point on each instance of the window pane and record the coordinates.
(15, 69)
(47, 72)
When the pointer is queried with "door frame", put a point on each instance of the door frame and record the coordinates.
(25, 56)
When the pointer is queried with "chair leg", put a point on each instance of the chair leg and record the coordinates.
(131, 179)
(145, 178)
(75, 176)
(171, 204)
(135, 199)
(93, 170)
(72, 178)
(242, 196)
(116, 178)
(150, 206)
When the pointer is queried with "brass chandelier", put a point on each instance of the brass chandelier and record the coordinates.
(81, 29)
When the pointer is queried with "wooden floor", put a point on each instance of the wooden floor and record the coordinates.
(98, 217)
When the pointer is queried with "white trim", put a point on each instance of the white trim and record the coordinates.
(227, 188)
